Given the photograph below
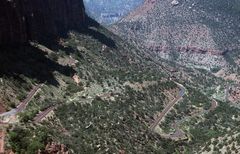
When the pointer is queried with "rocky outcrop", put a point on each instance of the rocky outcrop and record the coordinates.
(23, 20)
(54, 148)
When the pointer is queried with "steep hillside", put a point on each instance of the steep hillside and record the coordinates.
(31, 20)
(89, 91)
(194, 33)
(86, 66)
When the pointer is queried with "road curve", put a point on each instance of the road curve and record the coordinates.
(168, 107)
(23, 104)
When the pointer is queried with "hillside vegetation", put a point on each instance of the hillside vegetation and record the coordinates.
(103, 94)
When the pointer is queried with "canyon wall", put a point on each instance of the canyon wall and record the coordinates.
(24, 20)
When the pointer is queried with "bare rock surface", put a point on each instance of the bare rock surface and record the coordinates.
(31, 20)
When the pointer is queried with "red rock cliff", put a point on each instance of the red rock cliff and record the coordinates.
(23, 20)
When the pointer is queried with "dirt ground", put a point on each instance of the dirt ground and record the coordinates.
(2, 108)
(2, 137)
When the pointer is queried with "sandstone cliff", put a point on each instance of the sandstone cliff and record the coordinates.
(23, 20)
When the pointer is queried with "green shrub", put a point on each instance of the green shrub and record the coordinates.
(53, 56)
(27, 141)
(73, 88)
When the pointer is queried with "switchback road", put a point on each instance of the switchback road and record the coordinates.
(168, 107)
(23, 104)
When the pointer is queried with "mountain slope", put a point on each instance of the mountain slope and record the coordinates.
(193, 33)
(86, 66)
(99, 94)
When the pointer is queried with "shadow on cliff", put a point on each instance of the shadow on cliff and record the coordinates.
(33, 63)
(96, 34)
(30, 62)
(90, 27)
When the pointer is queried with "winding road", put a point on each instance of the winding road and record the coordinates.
(23, 104)
(43, 114)
(12, 114)
(178, 134)
(168, 107)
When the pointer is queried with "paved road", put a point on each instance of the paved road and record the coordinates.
(43, 114)
(168, 107)
(23, 104)
(9, 113)
(179, 134)
(13, 112)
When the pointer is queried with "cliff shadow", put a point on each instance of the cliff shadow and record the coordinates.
(103, 38)
(30, 62)
(90, 27)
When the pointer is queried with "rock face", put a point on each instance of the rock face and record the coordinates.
(54, 147)
(23, 20)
